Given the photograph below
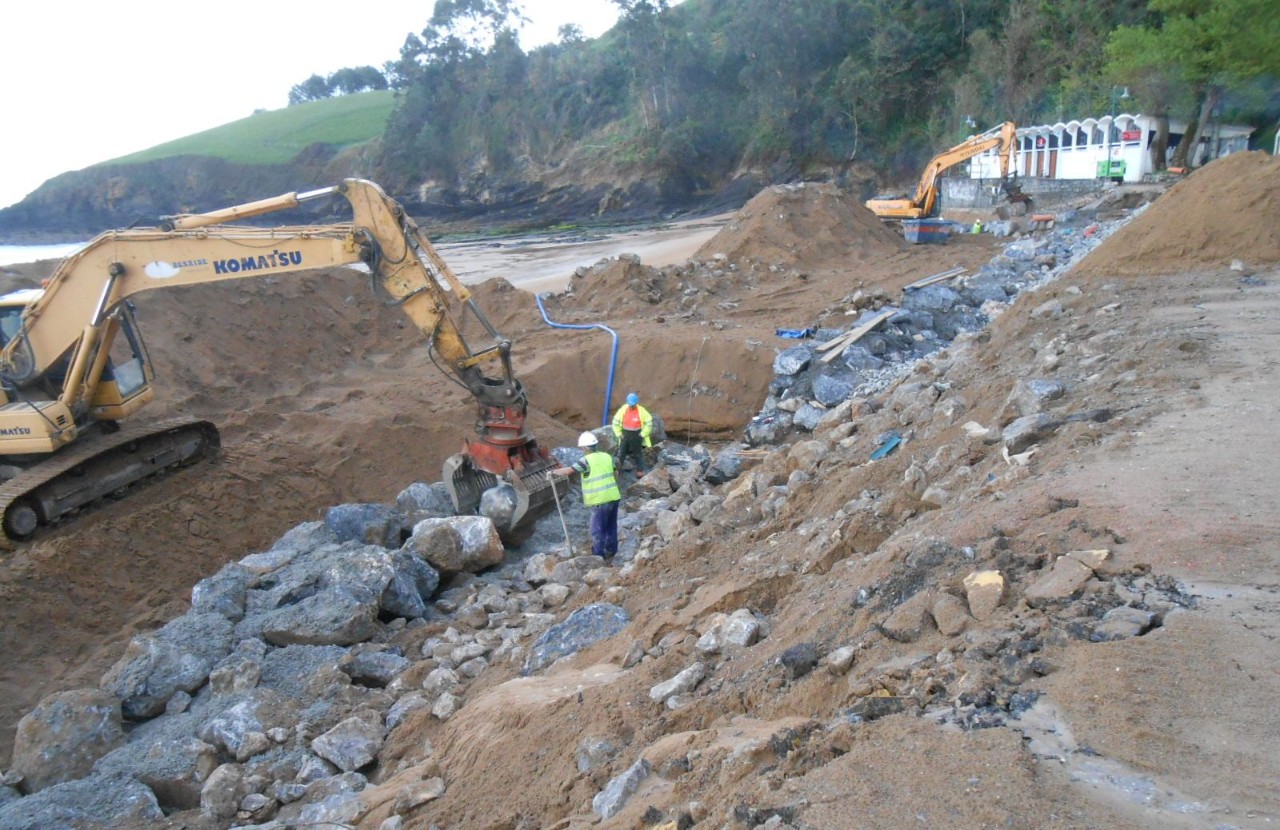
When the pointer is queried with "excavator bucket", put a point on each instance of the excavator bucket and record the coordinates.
(514, 502)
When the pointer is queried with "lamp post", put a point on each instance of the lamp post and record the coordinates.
(1115, 101)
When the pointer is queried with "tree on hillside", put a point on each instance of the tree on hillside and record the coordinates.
(343, 82)
(570, 33)
(356, 79)
(465, 64)
(644, 25)
(692, 92)
(314, 88)
(1073, 41)
(1209, 45)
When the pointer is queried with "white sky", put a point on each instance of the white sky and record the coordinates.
(86, 81)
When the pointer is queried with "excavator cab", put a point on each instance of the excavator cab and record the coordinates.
(120, 376)
(125, 383)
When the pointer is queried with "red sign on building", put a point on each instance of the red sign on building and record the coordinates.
(1131, 135)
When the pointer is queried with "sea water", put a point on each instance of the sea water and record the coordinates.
(20, 254)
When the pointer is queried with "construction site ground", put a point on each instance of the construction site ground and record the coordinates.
(326, 396)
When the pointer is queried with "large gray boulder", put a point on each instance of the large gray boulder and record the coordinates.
(726, 465)
(1029, 430)
(610, 801)
(299, 540)
(333, 617)
(174, 769)
(830, 390)
(93, 803)
(935, 297)
(223, 593)
(64, 735)
(241, 729)
(413, 581)
(376, 666)
(769, 427)
(792, 361)
(178, 657)
(370, 524)
(301, 672)
(424, 501)
(479, 546)
(330, 595)
(589, 624)
(350, 745)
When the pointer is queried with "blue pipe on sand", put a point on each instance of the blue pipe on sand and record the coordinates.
(613, 357)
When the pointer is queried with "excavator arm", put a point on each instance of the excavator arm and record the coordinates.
(62, 344)
(925, 201)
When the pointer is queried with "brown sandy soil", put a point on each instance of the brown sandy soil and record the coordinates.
(324, 396)
(323, 399)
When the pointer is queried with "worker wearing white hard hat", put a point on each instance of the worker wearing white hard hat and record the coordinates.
(599, 492)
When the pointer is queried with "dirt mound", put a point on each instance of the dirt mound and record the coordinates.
(803, 226)
(1226, 210)
(615, 286)
(511, 310)
(227, 344)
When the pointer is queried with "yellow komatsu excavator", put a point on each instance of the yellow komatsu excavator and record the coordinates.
(75, 370)
(924, 203)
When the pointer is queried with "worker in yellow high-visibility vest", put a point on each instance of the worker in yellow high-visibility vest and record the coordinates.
(633, 432)
(599, 492)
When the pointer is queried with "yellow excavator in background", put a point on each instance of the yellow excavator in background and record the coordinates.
(75, 370)
(924, 204)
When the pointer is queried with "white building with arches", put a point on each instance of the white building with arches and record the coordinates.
(1088, 148)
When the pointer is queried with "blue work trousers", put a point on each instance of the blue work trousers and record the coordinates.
(604, 529)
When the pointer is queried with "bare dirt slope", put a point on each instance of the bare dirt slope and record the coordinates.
(324, 395)
(1172, 729)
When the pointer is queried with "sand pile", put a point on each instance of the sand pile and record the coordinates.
(615, 286)
(509, 309)
(234, 342)
(784, 233)
(804, 226)
(1229, 209)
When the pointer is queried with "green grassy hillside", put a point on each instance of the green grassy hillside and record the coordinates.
(277, 136)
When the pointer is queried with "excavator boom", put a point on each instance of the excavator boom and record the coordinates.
(74, 367)
(924, 202)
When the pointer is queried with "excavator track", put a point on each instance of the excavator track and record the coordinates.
(97, 467)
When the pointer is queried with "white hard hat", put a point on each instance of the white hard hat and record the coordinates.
(587, 439)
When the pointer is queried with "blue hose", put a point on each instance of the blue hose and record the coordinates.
(613, 357)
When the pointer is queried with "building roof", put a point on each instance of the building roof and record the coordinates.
(1102, 122)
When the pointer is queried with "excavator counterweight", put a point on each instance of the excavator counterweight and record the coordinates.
(75, 370)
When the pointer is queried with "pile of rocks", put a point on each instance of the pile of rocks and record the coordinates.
(272, 696)
(805, 386)
(267, 699)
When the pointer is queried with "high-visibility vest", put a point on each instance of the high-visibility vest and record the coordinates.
(646, 423)
(598, 485)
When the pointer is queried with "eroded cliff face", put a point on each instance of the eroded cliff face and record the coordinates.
(85, 202)
(80, 204)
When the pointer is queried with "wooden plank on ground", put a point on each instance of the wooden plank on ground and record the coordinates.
(834, 342)
(839, 339)
(858, 333)
(827, 344)
(945, 275)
